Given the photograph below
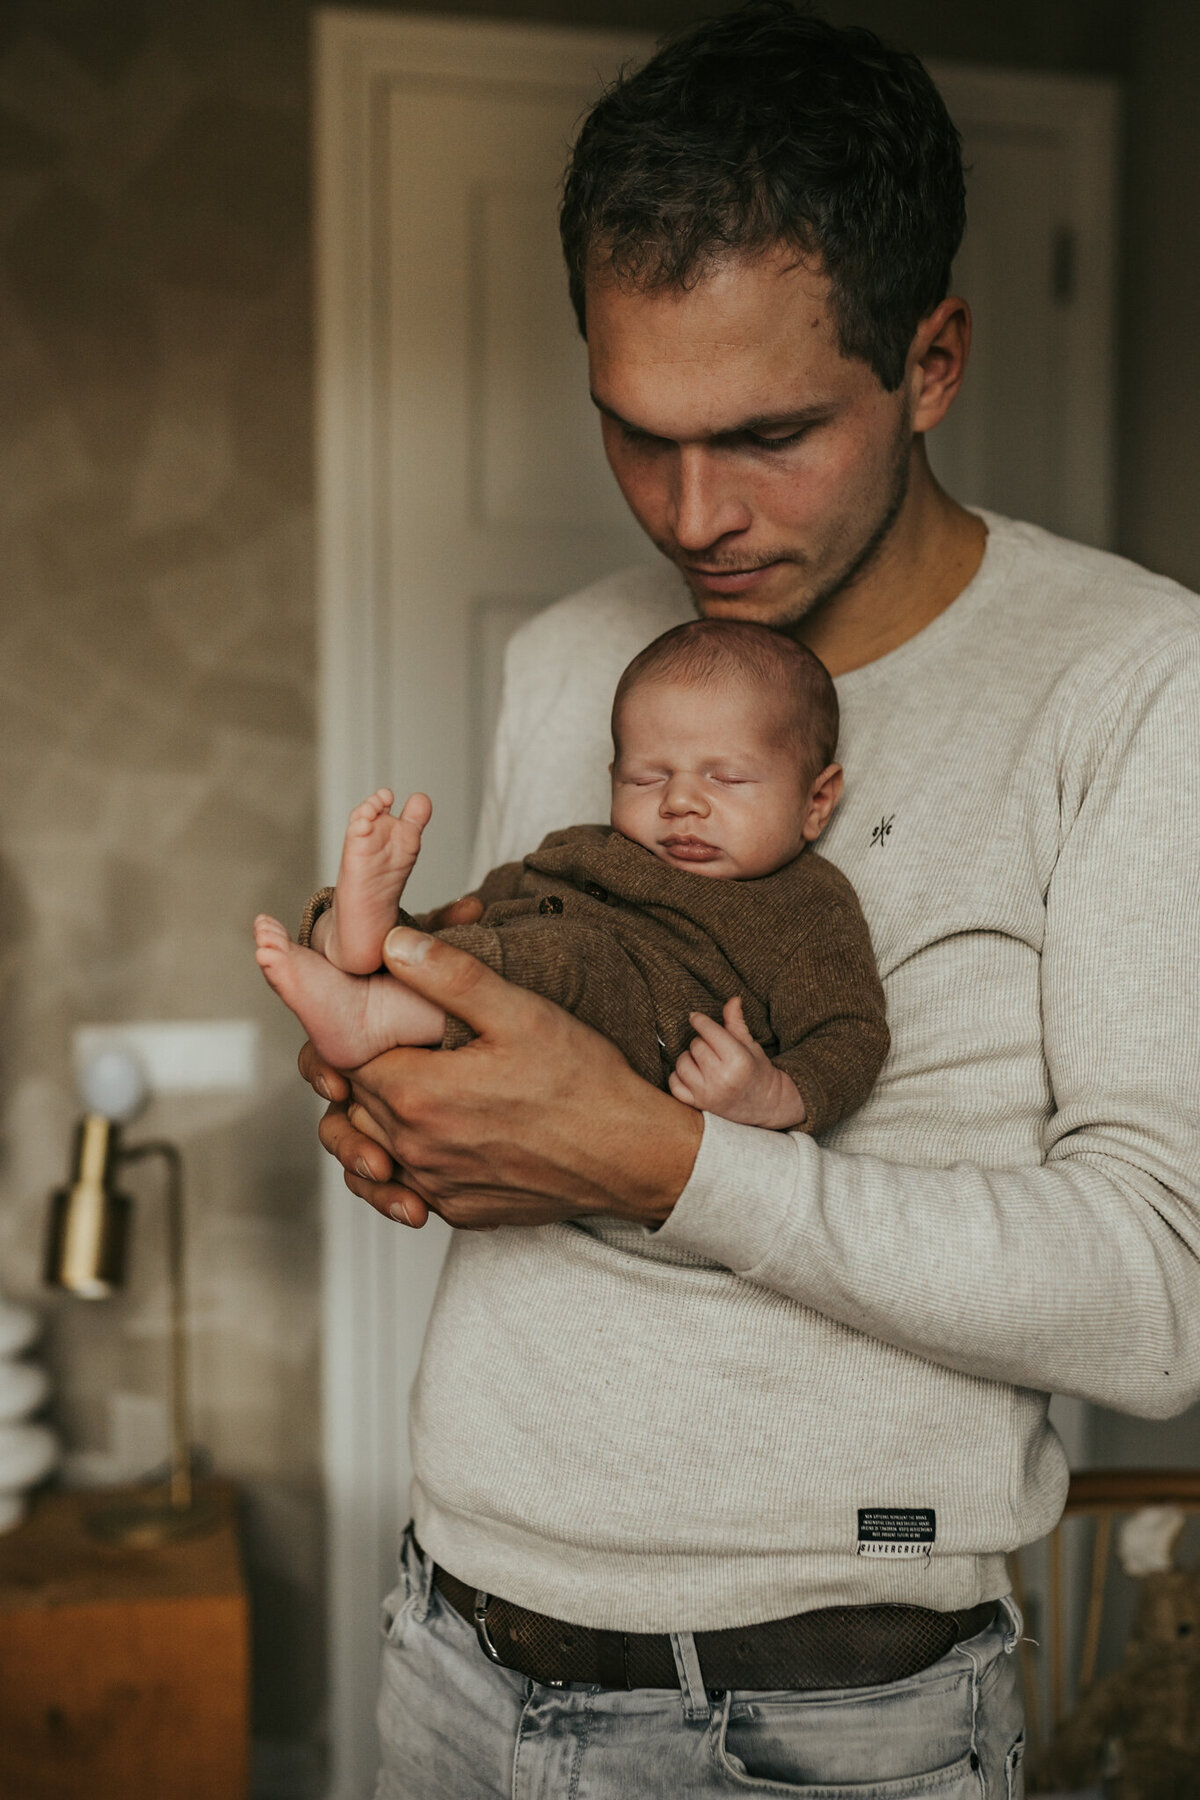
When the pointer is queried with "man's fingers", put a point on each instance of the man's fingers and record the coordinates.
(330, 1083)
(390, 1198)
(460, 984)
(364, 1120)
(735, 1022)
(358, 1154)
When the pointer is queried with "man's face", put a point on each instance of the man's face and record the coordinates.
(766, 465)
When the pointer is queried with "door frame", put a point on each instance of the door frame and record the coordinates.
(377, 1277)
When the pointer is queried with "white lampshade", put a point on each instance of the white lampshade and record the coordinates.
(113, 1084)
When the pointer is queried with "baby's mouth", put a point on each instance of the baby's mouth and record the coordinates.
(690, 849)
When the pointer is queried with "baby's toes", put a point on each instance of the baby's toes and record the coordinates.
(269, 934)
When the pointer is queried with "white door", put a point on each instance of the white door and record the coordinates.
(461, 486)
(1031, 433)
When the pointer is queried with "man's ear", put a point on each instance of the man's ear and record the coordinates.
(823, 796)
(937, 361)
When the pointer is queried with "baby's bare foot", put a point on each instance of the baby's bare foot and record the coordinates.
(350, 1018)
(377, 859)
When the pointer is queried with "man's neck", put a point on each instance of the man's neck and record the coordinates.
(932, 552)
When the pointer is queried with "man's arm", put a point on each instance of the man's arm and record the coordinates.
(1079, 1276)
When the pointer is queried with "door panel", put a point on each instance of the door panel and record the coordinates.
(496, 482)
(1031, 432)
(540, 463)
(1001, 445)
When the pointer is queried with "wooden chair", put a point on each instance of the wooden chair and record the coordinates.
(1104, 1494)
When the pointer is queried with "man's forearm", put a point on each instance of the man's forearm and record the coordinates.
(648, 1152)
(1066, 1278)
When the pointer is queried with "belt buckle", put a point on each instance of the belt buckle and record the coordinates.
(482, 1602)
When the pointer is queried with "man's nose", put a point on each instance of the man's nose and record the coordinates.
(706, 503)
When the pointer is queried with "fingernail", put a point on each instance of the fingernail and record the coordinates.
(396, 1211)
(322, 1087)
(403, 944)
(361, 1166)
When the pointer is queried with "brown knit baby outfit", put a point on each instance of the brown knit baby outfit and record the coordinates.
(631, 946)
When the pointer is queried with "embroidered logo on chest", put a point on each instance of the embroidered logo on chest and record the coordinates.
(883, 830)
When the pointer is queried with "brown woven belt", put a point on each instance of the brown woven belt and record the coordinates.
(836, 1647)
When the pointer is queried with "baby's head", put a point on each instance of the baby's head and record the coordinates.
(724, 736)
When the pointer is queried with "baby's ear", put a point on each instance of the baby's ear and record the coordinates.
(823, 796)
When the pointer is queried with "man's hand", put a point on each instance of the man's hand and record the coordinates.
(360, 1154)
(537, 1119)
(724, 1071)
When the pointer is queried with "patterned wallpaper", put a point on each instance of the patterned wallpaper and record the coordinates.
(156, 733)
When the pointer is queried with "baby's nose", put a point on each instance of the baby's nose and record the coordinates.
(682, 796)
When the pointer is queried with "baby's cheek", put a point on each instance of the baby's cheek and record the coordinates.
(633, 820)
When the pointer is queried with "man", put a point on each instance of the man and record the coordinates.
(721, 1435)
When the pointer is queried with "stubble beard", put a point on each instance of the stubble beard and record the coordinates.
(859, 561)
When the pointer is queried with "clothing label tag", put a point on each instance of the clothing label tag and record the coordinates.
(896, 1530)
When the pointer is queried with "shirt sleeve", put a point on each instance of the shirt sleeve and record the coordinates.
(827, 1010)
(316, 904)
(1080, 1276)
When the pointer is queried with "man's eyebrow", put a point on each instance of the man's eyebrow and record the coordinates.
(793, 420)
(610, 412)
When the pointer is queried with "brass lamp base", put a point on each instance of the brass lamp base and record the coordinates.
(154, 1520)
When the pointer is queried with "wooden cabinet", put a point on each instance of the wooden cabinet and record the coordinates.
(123, 1671)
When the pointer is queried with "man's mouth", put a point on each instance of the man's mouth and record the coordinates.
(690, 849)
(728, 581)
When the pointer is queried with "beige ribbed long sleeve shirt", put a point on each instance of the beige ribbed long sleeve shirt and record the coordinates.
(825, 1379)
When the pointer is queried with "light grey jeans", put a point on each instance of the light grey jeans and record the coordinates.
(453, 1726)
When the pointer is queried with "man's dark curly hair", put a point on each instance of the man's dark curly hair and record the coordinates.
(769, 126)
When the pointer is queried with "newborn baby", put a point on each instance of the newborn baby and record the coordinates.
(699, 930)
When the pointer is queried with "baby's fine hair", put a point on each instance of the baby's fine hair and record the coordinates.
(708, 653)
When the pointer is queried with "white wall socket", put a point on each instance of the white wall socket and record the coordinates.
(179, 1056)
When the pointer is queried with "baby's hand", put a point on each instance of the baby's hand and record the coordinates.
(724, 1071)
